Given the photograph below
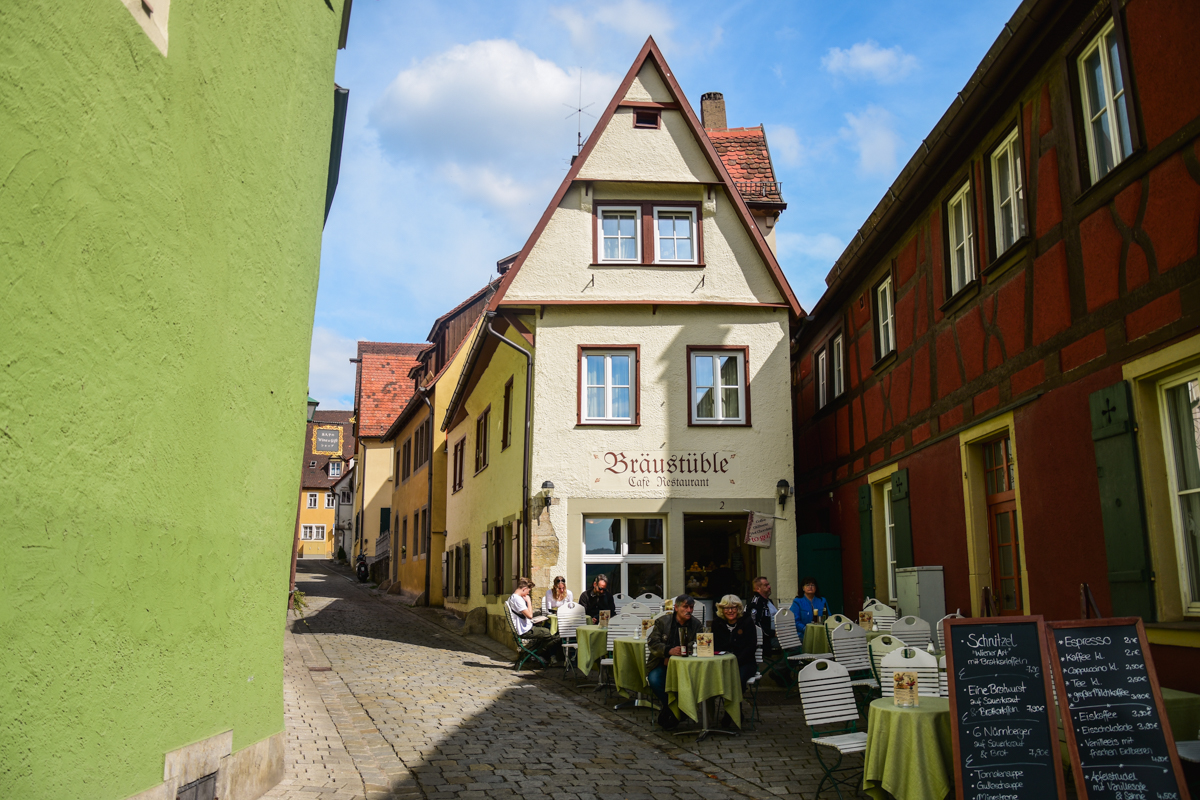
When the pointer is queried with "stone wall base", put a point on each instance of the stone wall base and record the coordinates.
(244, 775)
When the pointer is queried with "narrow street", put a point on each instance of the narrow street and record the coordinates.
(384, 701)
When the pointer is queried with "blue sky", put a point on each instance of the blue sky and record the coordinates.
(460, 129)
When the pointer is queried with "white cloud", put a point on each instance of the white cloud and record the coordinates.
(819, 246)
(785, 145)
(872, 135)
(634, 19)
(869, 60)
(330, 373)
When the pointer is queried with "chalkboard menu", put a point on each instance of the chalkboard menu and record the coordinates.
(1121, 749)
(1001, 711)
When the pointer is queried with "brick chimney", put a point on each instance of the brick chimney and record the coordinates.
(712, 111)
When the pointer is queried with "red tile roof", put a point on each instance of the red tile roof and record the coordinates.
(317, 476)
(383, 386)
(744, 153)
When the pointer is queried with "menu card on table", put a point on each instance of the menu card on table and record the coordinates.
(1121, 747)
(604, 615)
(704, 645)
(1002, 710)
(904, 689)
(647, 624)
(866, 619)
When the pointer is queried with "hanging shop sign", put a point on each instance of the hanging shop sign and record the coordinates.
(327, 441)
(759, 529)
(714, 471)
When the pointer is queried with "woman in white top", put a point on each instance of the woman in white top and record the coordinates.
(559, 595)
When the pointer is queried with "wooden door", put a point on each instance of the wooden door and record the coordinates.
(1004, 533)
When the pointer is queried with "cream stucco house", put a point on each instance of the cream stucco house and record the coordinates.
(649, 315)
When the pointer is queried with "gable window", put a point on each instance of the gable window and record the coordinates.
(330, 500)
(481, 439)
(835, 358)
(821, 380)
(1008, 192)
(608, 380)
(312, 499)
(646, 118)
(961, 232)
(460, 451)
(885, 320)
(719, 386)
(1105, 105)
(335, 469)
(674, 233)
(506, 423)
(619, 239)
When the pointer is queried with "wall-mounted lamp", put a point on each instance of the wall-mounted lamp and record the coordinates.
(312, 408)
(782, 490)
(547, 491)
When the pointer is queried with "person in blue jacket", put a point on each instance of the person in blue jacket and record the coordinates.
(808, 607)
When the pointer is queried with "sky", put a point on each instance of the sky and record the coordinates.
(462, 122)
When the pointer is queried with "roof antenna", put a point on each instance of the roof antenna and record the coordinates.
(578, 110)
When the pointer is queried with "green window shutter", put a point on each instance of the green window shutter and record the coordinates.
(445, 574)
(466, 571)
(484, 560)
(866, 534)
(1130, 580)
(901, 523)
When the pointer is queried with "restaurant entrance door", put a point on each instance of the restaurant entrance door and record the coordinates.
(716, 560)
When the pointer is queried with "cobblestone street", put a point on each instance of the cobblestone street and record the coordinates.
(385, 701)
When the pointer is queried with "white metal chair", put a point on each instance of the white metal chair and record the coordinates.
(849, 643)
(654, 601)
(941, 629)
(883, 614)
(879, 647)
(943, 681)
(1189, 750)
(638, 610)
(828, 698)
(913, 631)
(909, 659)
(620, 600)
(835, 620)
(570, 616)
(622, 626)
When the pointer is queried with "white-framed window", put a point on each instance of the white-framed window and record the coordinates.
(620, 234)
(312, 533)
(312, 499)
(1179, 398)
(629, 551)
(885, 317)
(1105, 109)
(889, 535)
(330, 500)
(718, 390)
(822, 368)
(675, 235)
(609, 380)
(835, 356)
(1008, 192)
(961, 230)
(335, 469)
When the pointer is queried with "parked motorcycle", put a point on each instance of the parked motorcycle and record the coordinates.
(360, 568)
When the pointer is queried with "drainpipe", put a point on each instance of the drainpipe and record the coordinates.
(429, 483)
(528, 432)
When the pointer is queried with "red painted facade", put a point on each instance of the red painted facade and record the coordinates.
(1106, 274)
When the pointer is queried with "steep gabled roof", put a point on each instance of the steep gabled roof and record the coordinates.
(382, 386)
(650, 52)
(490, 286)
(744, 153)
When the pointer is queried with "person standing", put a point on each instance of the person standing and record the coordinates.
(664, 643)
(762, 612)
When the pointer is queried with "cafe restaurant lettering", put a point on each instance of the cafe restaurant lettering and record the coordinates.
(661, 469)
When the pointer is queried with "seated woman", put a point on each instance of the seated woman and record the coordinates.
(559, 595)
(808, 607)
(734, 632)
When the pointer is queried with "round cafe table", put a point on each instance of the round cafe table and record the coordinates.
(593, 645)
(909, 751)
(816, 638)
(691, 680)
(629, 665)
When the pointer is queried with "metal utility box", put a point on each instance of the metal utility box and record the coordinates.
(921, 592)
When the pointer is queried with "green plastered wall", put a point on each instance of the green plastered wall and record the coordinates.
(160, 224)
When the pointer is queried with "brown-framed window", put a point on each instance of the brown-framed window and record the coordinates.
(404, 460)
(647, 118)
(460, 454)
(481, 439)
(1103, 103)
(403, 539)
(608, 384)
(421, 437)
(497, 560)
(821, 377)
(634, 232)
(718, 385)
(883, 316)
(506, 427)
(1003, 525)
(959, 239)
(1004, 186)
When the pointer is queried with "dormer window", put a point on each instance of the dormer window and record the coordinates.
(646, 118)
(335, 469)
(619, 240)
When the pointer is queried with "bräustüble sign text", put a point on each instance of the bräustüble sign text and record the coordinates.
(660, 469)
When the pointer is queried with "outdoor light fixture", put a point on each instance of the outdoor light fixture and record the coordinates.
(548, 491)
(312, 408)
(783, 489)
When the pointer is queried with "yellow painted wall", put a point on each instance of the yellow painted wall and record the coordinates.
(410, 496)
(316, 516)
(373, 489)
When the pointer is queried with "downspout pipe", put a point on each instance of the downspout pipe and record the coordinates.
(424, 390)
(528, 435)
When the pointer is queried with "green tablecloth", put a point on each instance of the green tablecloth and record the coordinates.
(593, 646)
(629, 665)
(909, 752)
(1183, 712)
(692, 680)
(816, 638)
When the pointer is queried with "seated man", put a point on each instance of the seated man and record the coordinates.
(521, 610)
(663, 642)
(598, 599)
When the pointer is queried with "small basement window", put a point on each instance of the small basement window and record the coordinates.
(645, 117)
